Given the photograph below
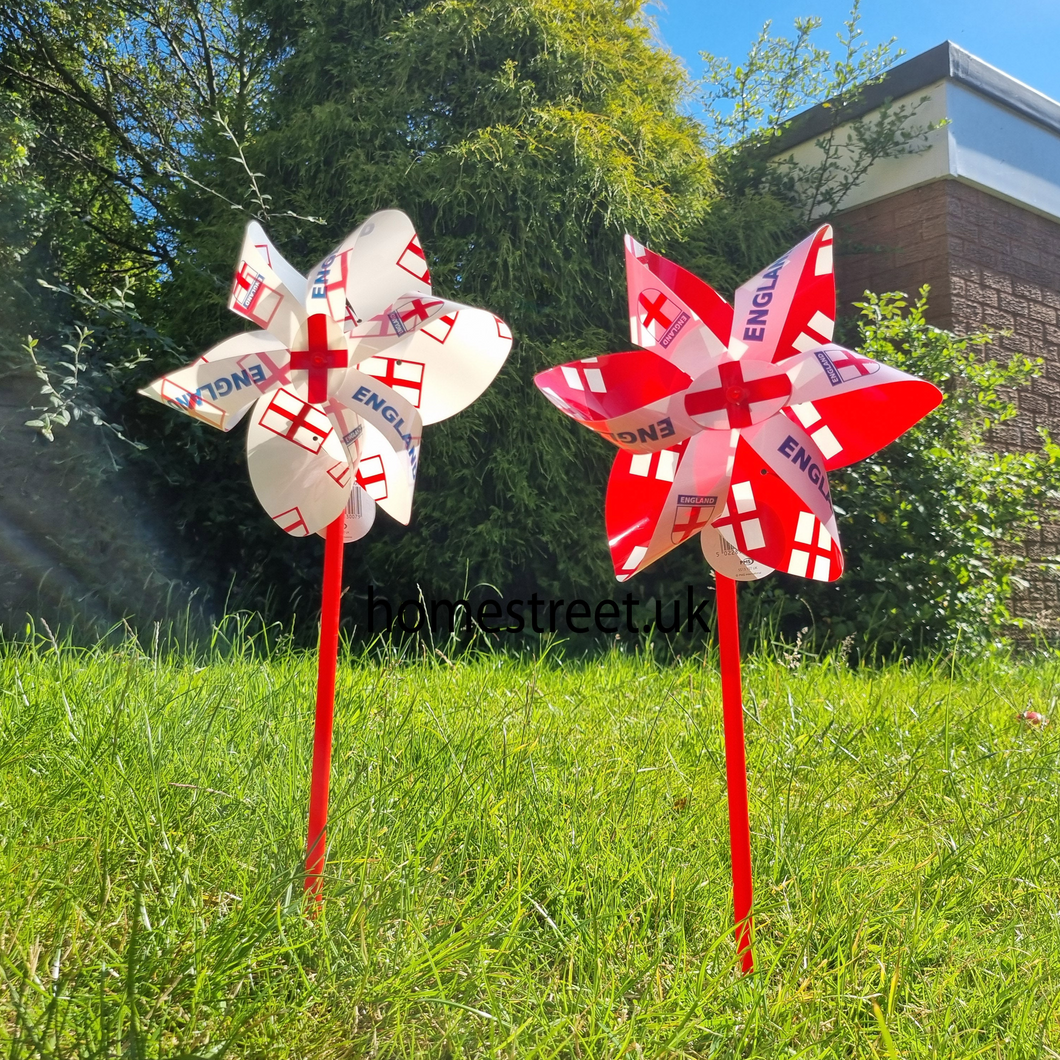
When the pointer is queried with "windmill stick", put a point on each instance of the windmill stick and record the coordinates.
(735, 765)
(327, 662)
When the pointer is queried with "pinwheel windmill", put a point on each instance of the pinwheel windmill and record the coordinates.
(728, 420)
(343, 373)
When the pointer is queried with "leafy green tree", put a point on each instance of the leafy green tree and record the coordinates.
(766, 201)
(523, 139)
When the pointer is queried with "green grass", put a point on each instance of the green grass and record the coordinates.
(527, 859)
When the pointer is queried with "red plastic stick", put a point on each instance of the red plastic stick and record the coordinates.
(735, 765)
(327, 662)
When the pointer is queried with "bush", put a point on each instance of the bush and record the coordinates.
(935, 526)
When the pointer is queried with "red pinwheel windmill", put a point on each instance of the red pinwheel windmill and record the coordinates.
(345, 369)
(728, 420)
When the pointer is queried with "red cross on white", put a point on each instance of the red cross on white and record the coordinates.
(689, 520)
(417, 310)
(292, 522)
(814, 560)
(440, 326)
(406, 377)
(341, 473)
(657, 313)
(296, 420)
(732, 400)
(414, 261)
(246, 281)
(318, 358)
(743, 525)
(371, 477)
(252, 297)
(852, 366)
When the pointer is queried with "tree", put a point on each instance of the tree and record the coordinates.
(523, 139)
(766, 201)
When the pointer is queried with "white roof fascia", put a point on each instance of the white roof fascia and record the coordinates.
(1001, 136)
(889, 175)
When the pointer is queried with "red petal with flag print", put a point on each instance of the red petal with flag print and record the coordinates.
(852, 406)
(660, 294)
(778, 509)
(603, 388)
(636, 495)
(789, 307)
(656, 501)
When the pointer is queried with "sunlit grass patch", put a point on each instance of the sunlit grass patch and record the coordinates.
(527, 858)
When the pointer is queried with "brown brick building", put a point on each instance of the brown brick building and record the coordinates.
(977, 216)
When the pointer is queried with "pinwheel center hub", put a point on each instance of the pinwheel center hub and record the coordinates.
(737, 394)
(317, 359)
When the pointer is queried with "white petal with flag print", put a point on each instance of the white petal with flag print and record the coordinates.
(260, 291)
(388, 477)
(728, 560)
(376, 262)
(447, 357)
(298, 465)
(289, 276)
(396, 418)
(384, 475)
(224, 382)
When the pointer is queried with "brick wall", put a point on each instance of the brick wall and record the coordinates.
(991, 264)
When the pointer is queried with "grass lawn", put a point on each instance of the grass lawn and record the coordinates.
(527, 859)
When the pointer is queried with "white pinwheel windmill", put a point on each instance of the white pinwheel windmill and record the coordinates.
(345, 369)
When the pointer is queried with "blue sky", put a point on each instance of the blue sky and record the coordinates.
(1021, 37)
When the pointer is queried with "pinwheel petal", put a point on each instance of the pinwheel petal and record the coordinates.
(673, 313)
(289, 276)
(224, 382)
(789, 307)
(440, 355)
(298, 467)
(628, 398)
(853, 406)
(656, 501)
(388, 477)
(726, 559)
(396, 418)
(778, 511)
(372, 267)
(381, 474)
(260, 291)
(360, 515)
